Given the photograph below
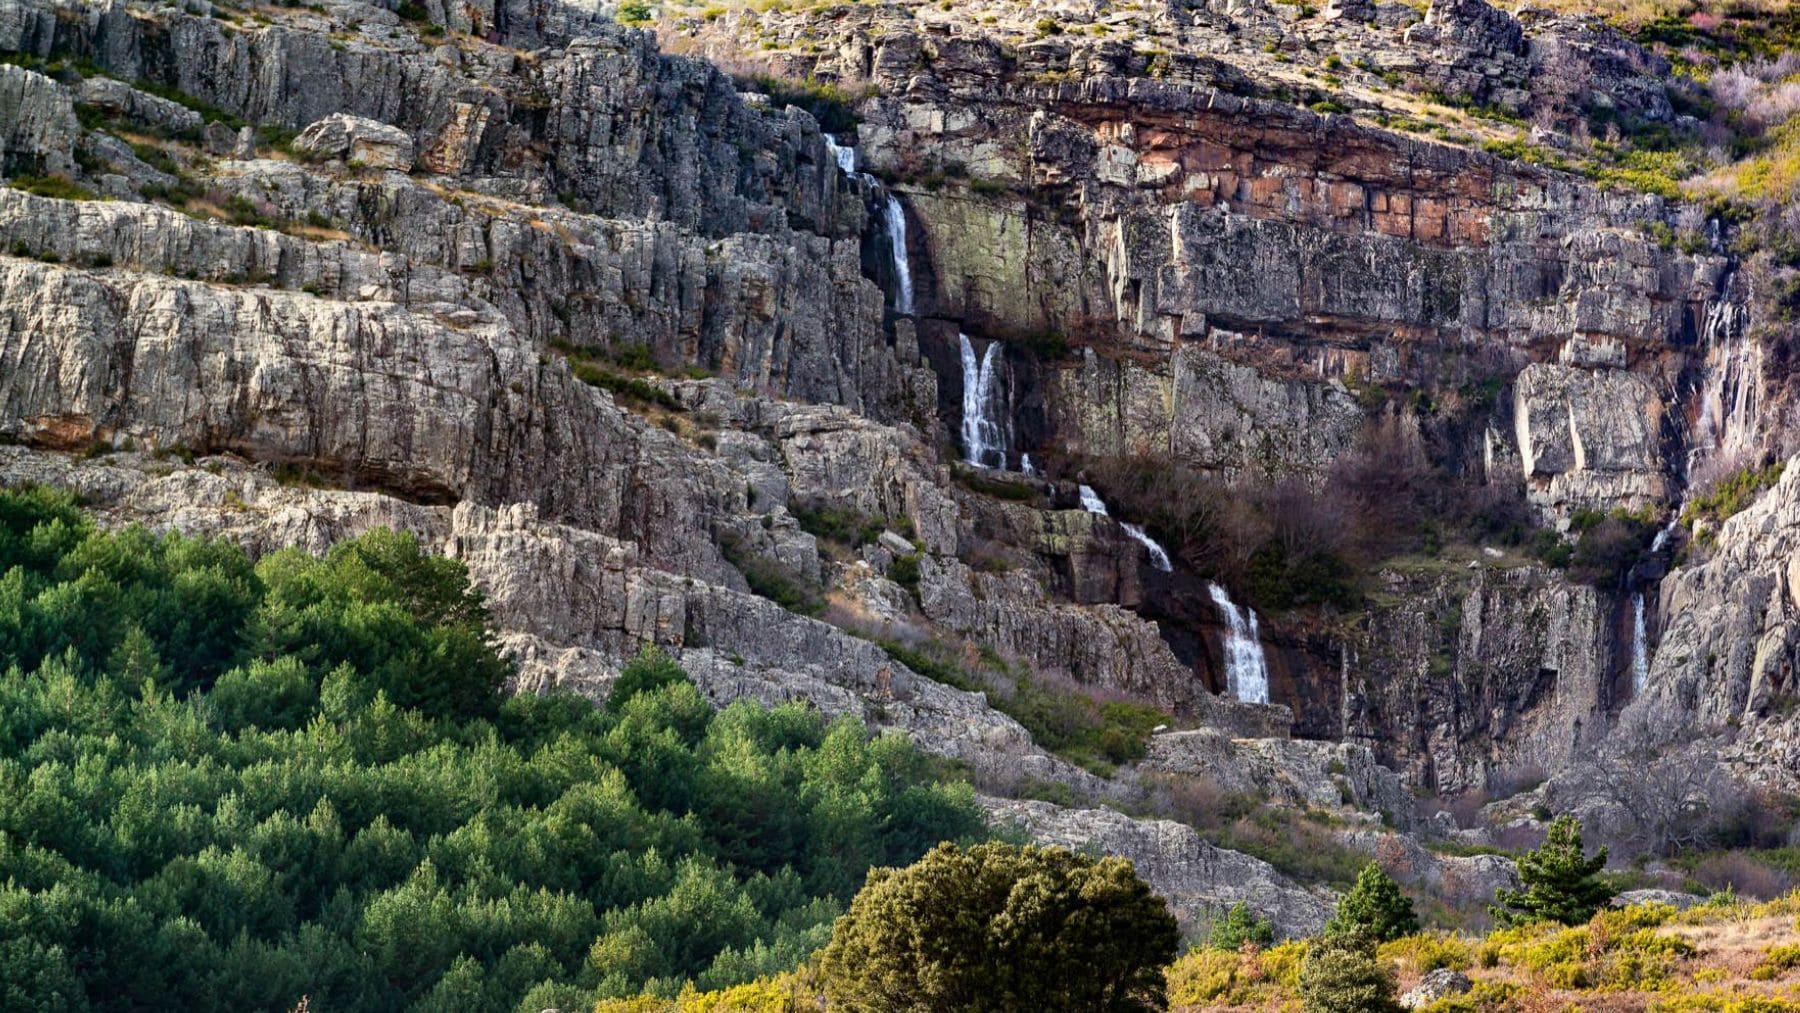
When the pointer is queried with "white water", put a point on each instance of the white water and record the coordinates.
(1730, 387)
(1246, 670)
(1025, 467)
(986, 426)
(1640, 651)
(895, 215)
(843, 154)
(1092, 503)
(892, 213)
(1668, 530)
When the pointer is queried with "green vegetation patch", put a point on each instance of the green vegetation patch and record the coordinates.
(227, 785)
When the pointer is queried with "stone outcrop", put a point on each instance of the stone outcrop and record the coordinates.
(357, 139)
(1492, 674)
(1589, 439)
(37, 124)
(1726, 654)
(1330, 776)
(1198, 879)
(1442, 983)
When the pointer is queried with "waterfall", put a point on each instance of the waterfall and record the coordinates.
(895, 216)
(1668, 530)
(1640, 652)
(1246, 670)
(844, 155)
(1092, 503)
(1025, 467)
(986, 425)
(892, 213)
(1730, 387)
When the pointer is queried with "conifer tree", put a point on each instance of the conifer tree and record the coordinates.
(1561, 881)
(1375, 906)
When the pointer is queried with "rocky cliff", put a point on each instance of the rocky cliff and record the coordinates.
(664, 363)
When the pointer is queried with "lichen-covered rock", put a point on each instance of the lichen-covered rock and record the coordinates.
(1442, 983)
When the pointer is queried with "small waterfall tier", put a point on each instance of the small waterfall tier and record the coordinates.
(1640, 651)
(986, 422)
(1092, 503)
(1246, 669)
(893, 217)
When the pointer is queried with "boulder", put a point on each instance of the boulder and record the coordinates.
(1442, 983)
(357, 139)
(1674, 898)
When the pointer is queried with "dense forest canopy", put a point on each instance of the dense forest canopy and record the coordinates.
(228, 784)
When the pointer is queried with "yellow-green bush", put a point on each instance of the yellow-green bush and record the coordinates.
(640, 1004)
(1485, 997)
(1724, 1002)
(1212, 976)
(1776, 959)
(1428, 951)
(765, 995)
(1616, 950)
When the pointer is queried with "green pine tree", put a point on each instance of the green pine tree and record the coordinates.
(1561, 882)
(1375, 906)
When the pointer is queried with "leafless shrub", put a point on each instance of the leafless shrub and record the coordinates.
(1743, 874)
(1198, 802)
(1509, 781)
(1673, 800)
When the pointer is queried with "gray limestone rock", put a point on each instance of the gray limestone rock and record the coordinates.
(357, 139)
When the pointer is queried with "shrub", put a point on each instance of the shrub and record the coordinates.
(59, 187)
(1000, 927)
(1341, 975)
(650, 671)
(1240, 926)
(1561, 882)
(1375, 907)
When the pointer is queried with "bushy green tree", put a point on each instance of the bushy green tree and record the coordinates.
(1375, 906)
(1002, 929)
(1240, 926)
(1561, 881)
(1341, 975)
(652, 669)
(225, 786)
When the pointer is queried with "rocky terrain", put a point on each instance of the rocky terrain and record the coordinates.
(875, 418)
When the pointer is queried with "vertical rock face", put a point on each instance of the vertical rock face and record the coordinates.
(1472, 678)
(1727, 655)
(1589, 439)
(37, 123)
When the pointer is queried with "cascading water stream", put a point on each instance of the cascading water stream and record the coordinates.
(1730, 388)
(893, 216)
(986, 425)
(1092, 503)
(844, 155)
(1640, 651)
(1246, 669)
